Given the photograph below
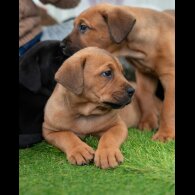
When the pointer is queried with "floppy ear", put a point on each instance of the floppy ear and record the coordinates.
(120, 23)
(29, 73)
(70, 74)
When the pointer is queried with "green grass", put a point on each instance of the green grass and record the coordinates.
(148, 169)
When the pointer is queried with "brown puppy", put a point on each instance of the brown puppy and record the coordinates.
(146, 37)
(90, 98)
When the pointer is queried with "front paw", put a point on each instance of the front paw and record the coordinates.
(164, 136)
(149, 123)
(108, 157)
(81, 154)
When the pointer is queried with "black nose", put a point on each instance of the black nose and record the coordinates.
(62, 45)
(130, 91)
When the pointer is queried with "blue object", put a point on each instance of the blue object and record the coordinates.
(29, 44)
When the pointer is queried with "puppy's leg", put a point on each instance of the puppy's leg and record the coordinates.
(149, 106)
(77, 151)
(167, 120)
(108, 154)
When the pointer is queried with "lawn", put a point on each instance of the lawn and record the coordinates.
(148, 169)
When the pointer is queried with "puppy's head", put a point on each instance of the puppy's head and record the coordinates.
(104, 26)
(39, 64)
(94, 74)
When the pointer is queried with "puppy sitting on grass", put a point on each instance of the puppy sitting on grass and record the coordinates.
(92, 97)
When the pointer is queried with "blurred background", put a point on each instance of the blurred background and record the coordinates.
(62, 14)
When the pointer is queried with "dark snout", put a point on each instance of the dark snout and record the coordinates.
(121, 98)
(62, 45)
(65, 45)
(68, 47)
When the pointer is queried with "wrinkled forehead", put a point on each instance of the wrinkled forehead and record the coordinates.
(94, 12)
(90, 18)
(102, 58)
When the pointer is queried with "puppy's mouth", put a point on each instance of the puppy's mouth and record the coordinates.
(115, 105)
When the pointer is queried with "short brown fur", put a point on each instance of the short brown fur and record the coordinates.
(147, 38)
(70, 113)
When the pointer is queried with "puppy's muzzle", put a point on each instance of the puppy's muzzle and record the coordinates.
(66, 47)
(63, 47)
(121, 100)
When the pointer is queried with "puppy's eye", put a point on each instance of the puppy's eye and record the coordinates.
(107, 73)
(83, 28)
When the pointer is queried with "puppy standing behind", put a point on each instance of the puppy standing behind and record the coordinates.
(147, 38)
(90, 98)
